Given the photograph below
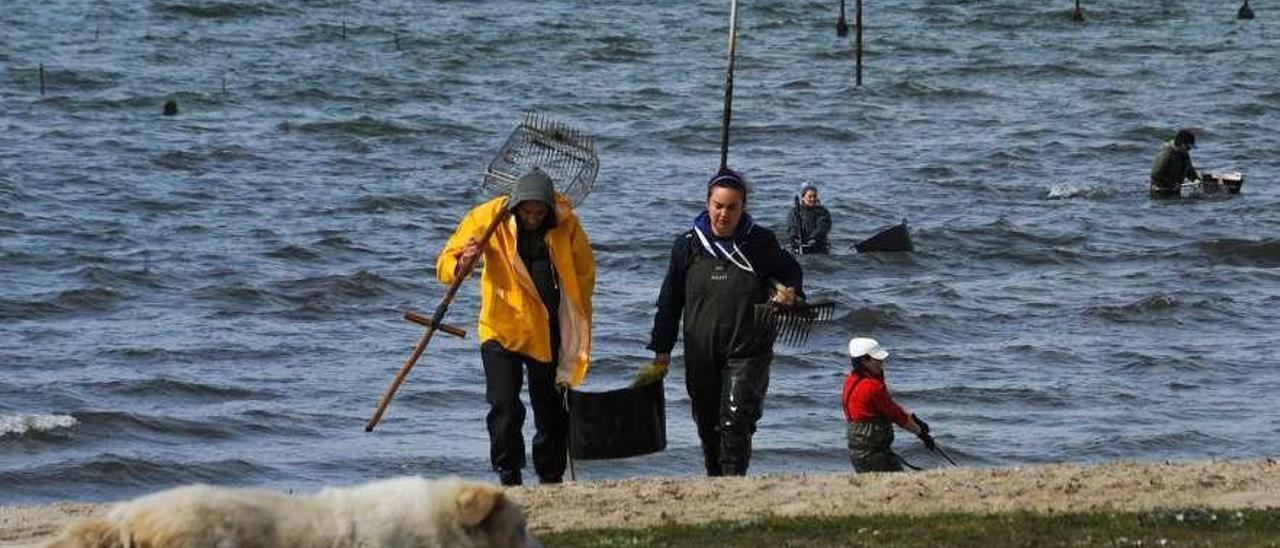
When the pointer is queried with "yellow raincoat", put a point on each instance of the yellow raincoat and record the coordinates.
(511, 312)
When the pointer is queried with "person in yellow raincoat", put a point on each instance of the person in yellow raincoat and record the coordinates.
(535, 318)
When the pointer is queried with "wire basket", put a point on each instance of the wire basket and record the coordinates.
(566, 154)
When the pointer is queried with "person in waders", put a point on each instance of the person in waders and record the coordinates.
(1172, 166)
(808, 224)
(535, 318)
(719, 270)
(871, 411)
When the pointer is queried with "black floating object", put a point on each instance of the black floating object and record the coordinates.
(1245, 12)
(894, 238)
(793, 322)
(617, 424)
(170, 108)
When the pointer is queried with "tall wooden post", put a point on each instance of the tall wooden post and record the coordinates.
(728, 85)
(842, 27)
(858, 45)
(42, 79)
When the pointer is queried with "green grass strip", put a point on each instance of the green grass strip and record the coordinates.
(1185, 527)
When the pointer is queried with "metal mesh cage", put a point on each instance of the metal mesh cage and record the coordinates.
(564, 153)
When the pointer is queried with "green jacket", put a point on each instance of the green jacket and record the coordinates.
(1171, 167)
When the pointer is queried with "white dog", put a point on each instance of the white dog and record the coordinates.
(407, 512)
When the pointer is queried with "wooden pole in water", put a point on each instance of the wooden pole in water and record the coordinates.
(42, 79)
(858, 46)
(842, 28)
(728, 85)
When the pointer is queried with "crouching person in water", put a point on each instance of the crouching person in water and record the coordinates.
(871, 411)
(1172, 166)
(535, 318)
(720, 269)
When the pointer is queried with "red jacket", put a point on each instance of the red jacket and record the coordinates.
(866, 398)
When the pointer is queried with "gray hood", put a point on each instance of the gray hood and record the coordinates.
(535, 185)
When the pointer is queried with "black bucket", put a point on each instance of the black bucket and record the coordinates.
(894, 238)
(617, 424)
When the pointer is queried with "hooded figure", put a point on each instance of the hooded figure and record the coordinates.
(535, 317)
(720, 268)
(809, 223)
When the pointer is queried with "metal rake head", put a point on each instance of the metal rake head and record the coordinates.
(793, 322)
(564, 153)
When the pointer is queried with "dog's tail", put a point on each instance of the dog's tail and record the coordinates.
(91, 533)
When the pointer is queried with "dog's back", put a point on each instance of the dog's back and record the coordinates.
(401, 511)
(90, 533)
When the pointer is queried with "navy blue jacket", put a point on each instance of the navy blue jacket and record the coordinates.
(768, 259)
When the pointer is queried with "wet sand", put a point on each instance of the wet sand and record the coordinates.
(646, 502)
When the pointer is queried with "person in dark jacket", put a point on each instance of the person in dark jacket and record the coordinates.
(808, 224)
(1172, 165)
(871, 411)
(720, 269)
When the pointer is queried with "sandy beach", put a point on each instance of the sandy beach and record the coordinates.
(639, 503)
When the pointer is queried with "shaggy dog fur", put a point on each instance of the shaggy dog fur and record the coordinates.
(408, 512)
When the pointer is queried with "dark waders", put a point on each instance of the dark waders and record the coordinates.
(503, 370)
(869, 446)
(726, 360)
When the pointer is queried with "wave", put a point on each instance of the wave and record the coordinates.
(363, 126)
(1066, 191)
(791, 132)
(293, 253)
(74, 479)
(1151, 304)
(968, 395)
(1235, 252)
(1191, 443)
(196, 354)
(341, 243)
(20, 425)
(216, 10)
(395, 203)
(861, 320)
(1002, 240)
(120, 277)
(184, 390)
(912, 89)
(360, 285)
(94, 299)
(1134, 361)
(620, 49)
(180, 160)
(118, 425)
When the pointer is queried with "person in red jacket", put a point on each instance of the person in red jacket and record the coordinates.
(871, 411)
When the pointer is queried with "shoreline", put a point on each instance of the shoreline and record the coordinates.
(649, 502)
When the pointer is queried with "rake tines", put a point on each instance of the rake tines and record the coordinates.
(793, 322)
(566, 154)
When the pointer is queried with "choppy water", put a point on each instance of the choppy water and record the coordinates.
(216, 296)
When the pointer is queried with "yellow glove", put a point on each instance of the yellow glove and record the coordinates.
(650, 373)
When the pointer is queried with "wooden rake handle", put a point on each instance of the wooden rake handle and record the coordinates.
(435, 322)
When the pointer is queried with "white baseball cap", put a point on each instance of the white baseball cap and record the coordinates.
(866, 347)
